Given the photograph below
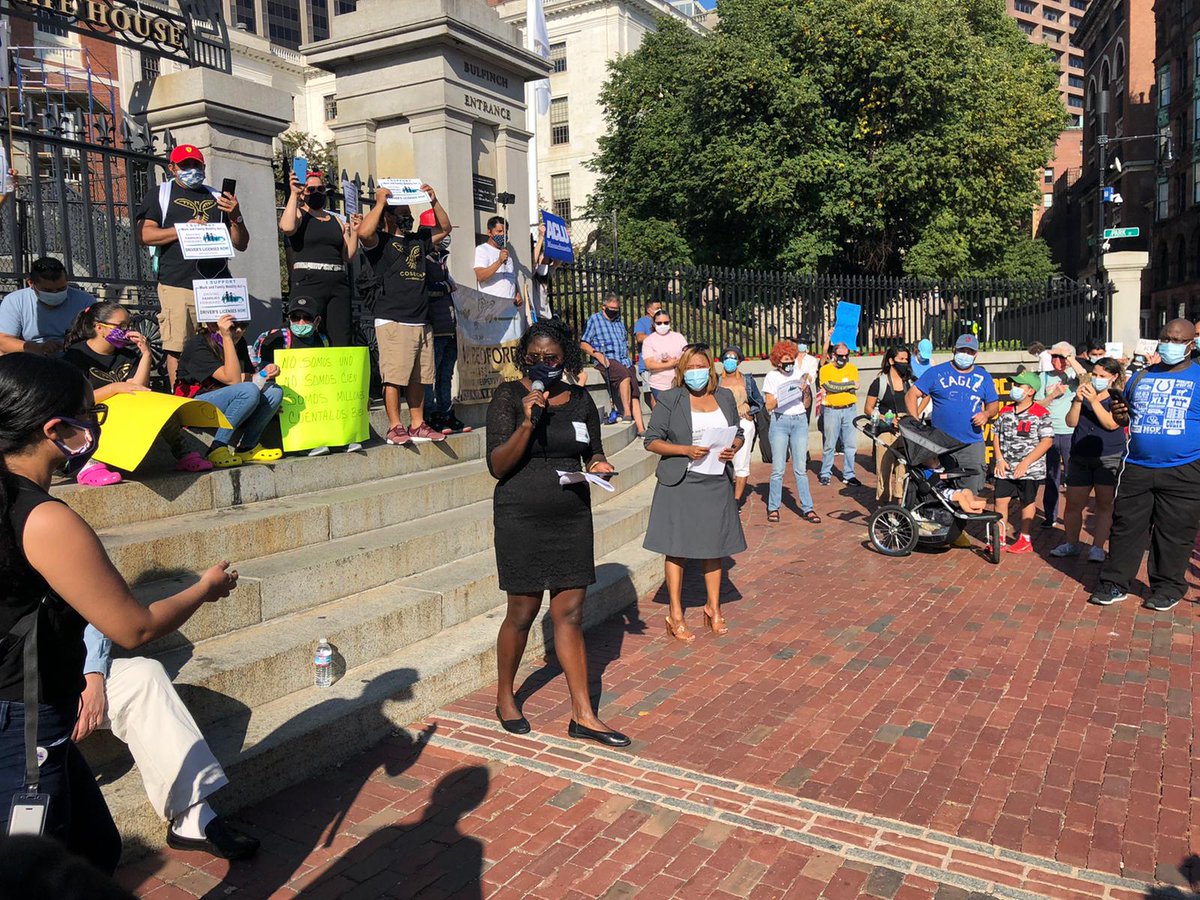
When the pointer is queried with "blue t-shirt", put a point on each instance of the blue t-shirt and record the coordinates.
(1164, 417)
(957, 396)
(919, 368)
(22, 316)
(645, 325)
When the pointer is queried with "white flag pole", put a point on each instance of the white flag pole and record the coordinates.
(537, 98)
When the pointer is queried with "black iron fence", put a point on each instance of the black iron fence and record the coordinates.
(753, 309)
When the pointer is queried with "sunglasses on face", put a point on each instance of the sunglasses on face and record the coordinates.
(302, 317)
(550, 359)
(93, 415)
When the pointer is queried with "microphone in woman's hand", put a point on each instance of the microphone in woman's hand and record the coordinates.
(536, 413)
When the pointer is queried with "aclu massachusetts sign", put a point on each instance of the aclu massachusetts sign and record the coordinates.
(558, 239)
(195, 36)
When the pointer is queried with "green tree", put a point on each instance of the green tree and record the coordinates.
(877, 136)
(321, 157)
(644, 240)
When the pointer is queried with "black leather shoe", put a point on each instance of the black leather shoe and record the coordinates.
(513, 726)
(219, 839)
(608, 738)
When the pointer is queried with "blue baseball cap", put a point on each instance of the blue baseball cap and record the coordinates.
(925, 348)
(967, 342)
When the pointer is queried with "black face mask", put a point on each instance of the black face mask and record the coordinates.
(545, 374)
(904, 370)
(316, 200)
(613, 314)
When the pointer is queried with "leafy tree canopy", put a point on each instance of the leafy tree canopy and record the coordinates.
(877, 136)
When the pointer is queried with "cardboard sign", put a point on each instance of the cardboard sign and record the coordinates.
(404, 191)
(1114, 349)
(324, 396)
(558, 239)
(351, 203)
(1147, 347)
(216, 297)
(134, 421)
(845, 325)
(199, 241)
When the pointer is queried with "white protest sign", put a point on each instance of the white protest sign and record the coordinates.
(1114, 349)
(350, 198)
(404, 191)
(216, 297)
(200, 241)
(1147, 347)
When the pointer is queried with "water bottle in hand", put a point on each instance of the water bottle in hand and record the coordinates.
(323, 662)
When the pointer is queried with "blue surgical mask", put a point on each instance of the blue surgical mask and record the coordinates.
(1172, 354)
(1100, 384)
(964, 360)
(1017, 392)
(53, 298)
(730, 365)
(302, 329)
(192, 178)
(696, 379)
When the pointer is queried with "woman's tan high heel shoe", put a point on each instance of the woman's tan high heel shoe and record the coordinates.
(715, 625)
(679, 632)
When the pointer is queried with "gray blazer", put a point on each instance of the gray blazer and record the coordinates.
(672, 422)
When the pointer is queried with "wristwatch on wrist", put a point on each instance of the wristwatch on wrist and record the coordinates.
(237, 220)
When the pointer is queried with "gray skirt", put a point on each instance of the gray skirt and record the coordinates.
(695, 519)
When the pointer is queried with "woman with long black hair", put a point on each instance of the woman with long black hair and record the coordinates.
(544, 528)
(55, 578)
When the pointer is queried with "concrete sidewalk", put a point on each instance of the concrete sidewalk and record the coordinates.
(932, 726)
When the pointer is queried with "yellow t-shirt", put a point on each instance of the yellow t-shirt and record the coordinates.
(831, 375)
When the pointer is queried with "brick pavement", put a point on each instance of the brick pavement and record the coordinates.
(925, 727)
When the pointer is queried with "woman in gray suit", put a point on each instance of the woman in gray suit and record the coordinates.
(693, 515)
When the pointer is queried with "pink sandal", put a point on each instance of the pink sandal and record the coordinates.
(193, 462)
(98, 475)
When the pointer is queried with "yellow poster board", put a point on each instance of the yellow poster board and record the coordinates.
(324, 396)
(135, 420)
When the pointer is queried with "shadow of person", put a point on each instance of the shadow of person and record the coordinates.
(694, 593)
(432, 853)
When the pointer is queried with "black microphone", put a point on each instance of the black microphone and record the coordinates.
(536, 413)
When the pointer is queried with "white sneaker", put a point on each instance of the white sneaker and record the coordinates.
(353, 448)
(319, 451)
(1096, 554)
(1067, 549)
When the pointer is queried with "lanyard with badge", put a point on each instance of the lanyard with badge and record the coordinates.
(30, 807)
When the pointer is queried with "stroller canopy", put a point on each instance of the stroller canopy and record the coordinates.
(919, 436)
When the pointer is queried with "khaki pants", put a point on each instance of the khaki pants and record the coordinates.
(176, 316)
(890, 471)
(177, 767)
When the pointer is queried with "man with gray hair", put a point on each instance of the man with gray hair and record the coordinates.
(606, 340)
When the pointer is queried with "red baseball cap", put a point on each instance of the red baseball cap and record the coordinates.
(428, 218)
(186, 151)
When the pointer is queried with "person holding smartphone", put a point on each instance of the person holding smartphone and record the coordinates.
(186, 198)
(55, 572)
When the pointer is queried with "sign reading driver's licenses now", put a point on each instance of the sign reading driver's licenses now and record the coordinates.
(201, 241)
(216, 297)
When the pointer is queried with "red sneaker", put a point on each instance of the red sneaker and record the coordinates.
(424, 433)
(399, 435)
(1021, 545)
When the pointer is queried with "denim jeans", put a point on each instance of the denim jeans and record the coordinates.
(78, 816)
(248, 410)
(839, 423)
(789, 431)
(1056, 470)
(439, 401)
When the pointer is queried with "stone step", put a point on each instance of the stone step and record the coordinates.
(269, 747)
(311, 573)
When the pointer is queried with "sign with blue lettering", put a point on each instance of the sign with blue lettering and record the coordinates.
(558, 239)
(845, 325)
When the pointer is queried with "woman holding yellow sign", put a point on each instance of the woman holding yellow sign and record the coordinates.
(115, 359)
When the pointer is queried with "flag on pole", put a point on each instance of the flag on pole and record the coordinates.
(539, 43)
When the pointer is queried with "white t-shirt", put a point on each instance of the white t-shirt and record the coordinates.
(776, 381)
(504, 282)
(808, 366)
(1044, 362)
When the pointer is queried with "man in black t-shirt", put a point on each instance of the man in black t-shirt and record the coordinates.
(189, 200)
(402, 327)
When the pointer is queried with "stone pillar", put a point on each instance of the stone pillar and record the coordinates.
(1125, 273)
(234, 123)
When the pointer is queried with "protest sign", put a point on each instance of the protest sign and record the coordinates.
(1114, 349)
(404, 191)
(1146, 347)
(135, 420)
(350, 200)
(488, 330)
(200, 241)
(216, 297)
(845, 325)
(558, 239)
(324, 396)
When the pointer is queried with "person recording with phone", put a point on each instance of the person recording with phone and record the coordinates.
(537, 427)
(56, 578)
(185, 199)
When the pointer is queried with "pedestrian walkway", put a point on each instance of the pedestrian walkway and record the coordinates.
(927, 727)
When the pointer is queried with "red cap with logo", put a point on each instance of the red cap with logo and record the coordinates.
(428, 218)
(184, 152)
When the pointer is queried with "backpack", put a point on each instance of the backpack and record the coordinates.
(256, 350)
(164, 202)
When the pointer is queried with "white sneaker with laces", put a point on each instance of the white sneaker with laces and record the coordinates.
(1067, 549)
(1096, 554)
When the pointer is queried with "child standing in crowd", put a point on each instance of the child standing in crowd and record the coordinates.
(1023, 435)
(115, 359)
(215, 366)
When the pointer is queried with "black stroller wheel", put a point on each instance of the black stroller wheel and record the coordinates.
(892, 531)
(994, 542)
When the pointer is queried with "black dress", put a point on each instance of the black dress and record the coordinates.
(543, 529)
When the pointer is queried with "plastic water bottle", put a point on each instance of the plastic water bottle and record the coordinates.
(323, 662)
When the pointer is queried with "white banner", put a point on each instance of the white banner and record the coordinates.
(199, 241)
(488, 330)
(404, 191)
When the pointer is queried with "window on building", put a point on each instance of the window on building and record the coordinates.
(1047, 200)
(344, 6)
(318, 19)
(1163, 200)
(1026, 27)
(1164, 86)
(1076, 62)
(558, 57)
(330, 107)
(560, 196)
(1050, 35)
(1051, 15)
(245, 14)
(1074, 101)
(1196, 181)
(1079, 4)
(151, 66)
(1075, 20)
(1024, 6)
(1048, 175)
(560, 126)
(1180, 191)
(1075, 81)
(283, 22)
(50, 23)
(1196, 120)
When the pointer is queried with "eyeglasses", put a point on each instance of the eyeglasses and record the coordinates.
(96, 414)
(550, 359)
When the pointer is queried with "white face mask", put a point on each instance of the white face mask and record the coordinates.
(663, 328)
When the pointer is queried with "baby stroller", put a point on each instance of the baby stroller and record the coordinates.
(927, 517)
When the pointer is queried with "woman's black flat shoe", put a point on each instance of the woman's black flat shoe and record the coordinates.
(608, 738)
(513, 726)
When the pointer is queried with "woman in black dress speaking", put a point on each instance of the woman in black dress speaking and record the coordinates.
(544, 529)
